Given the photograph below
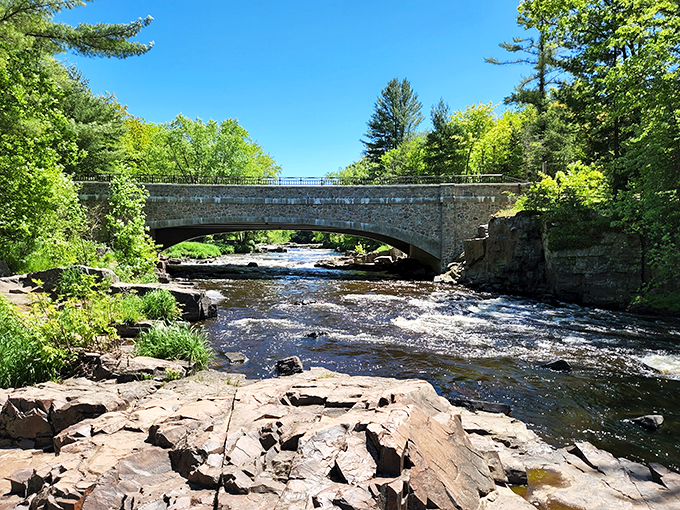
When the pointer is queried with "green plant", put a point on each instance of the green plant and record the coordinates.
(133, 247)
(160, 304)
(173, 375)
(575, 206)
(129, 309)
(25, 357)
(194, 250)
(175, 341)
(75, 282)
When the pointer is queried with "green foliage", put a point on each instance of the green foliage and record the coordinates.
(395, 118)
(28, 24)
(194, 148)
(658, 301)
(160, 304)
(572, 204)
(25, 357)
(128, 309)
(134, 248)
(581, 187)
(344, 242)
(96, 124)
(406, 159)
(442, 149)
(194, 250)
(362, 170)
(175, 341)
(72, 324)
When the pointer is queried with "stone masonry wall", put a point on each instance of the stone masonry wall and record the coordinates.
(433, 218)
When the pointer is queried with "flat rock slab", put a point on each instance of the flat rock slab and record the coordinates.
(311, 440)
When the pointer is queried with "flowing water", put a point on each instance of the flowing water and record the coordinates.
(468, 345)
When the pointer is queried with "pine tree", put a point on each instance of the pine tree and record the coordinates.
(397, 115)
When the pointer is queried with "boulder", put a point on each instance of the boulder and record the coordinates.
(480, 405)
(559, 365)
(650, 422)
(235, 358)
(4, 269)
(50, 277)
(289, 366)
(126, 368)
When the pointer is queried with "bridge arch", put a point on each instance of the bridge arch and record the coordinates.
(170, 232)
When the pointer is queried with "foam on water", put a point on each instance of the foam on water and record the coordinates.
(668, 365)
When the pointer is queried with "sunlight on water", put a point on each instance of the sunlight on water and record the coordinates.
(468, 345)
(667, 365)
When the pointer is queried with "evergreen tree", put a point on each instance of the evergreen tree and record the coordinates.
(28, 24)
(443, 151)
(95, 123)
(397, 115)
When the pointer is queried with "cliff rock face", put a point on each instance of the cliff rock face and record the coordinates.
(606, 274)
(514, 257)
(508, 257)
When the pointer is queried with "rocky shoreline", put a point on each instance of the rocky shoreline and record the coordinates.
(316, 439)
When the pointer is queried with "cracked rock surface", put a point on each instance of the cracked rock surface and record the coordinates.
(316, 439)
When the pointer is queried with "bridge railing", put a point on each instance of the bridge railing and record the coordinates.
(304, 181)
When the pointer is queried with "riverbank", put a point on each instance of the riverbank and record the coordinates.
(612, 269)
(317, 439)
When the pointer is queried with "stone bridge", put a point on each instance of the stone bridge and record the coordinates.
(429, 222)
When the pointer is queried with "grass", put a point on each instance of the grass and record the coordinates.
(175, 341)
(160, 304)
(129, 309)
(193, 250)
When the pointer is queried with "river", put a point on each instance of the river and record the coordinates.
(468, 345)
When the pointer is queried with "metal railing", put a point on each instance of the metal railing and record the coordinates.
(305, 181)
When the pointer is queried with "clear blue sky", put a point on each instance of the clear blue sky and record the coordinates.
(302, 76)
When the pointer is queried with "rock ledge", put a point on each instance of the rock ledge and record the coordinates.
(311, 440)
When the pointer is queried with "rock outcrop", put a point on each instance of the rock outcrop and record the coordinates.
(513, 256)
(312, 440)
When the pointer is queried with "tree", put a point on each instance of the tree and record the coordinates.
(540, 53)
(95, 123)
(40, 212)
(407, 159)
(198, 148)
(443, 151)
(473, 123)
(500, 149)
(397, 114)
(28, 24)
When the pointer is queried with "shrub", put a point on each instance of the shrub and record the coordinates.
(133, 247)
(25, 357)
(574, 204)
(75, 282)
(175, 341)
(160, 304)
